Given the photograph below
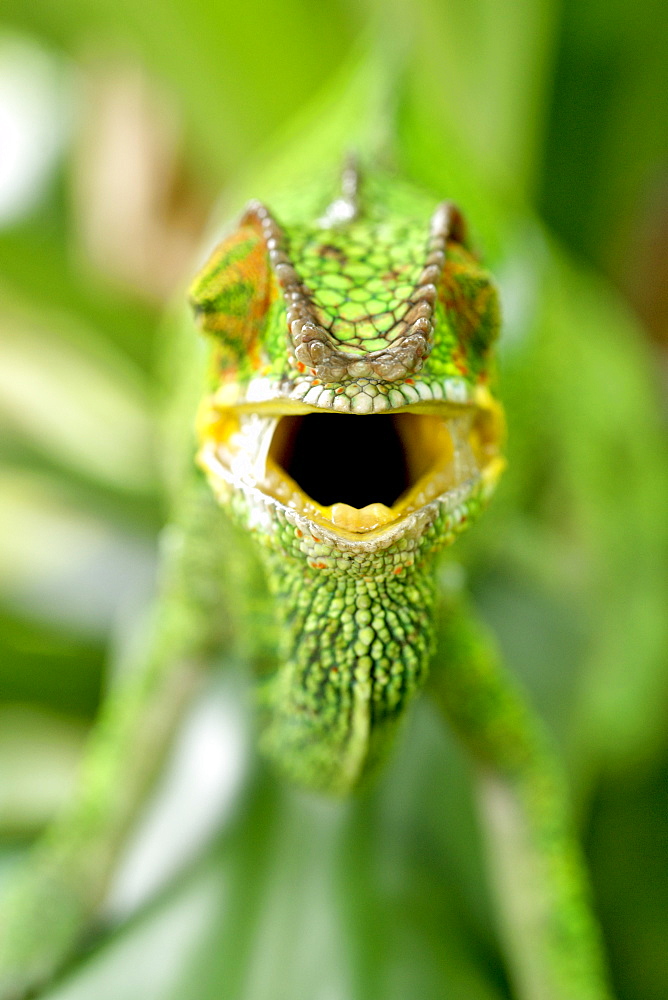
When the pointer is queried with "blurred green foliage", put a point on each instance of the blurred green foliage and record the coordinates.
(540, 105)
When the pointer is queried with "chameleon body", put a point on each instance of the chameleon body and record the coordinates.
(349, 426)
(352, 337)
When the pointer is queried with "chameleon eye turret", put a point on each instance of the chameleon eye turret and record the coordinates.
(230, 298)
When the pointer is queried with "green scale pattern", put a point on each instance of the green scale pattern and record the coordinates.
(356, 632)
(360, 278)
(354, 651)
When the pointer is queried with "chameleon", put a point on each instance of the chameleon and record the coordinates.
(348, 429)
(377, 309)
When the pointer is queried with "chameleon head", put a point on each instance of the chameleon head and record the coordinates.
(374, 314)
(350, 425)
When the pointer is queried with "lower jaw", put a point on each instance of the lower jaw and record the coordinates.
(388, 550)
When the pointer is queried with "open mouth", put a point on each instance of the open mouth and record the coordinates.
(355, 474)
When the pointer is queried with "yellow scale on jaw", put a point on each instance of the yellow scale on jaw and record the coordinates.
(342, 515)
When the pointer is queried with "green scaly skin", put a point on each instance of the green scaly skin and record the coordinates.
(355, 608)
(362, 301)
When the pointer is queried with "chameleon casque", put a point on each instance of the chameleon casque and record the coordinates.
(349, 427)
(372, 307)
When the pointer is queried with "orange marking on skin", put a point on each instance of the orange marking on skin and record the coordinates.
(316, 539)
(459, 361)
(399, 569)
(301, 367)
(225, 271)
(410, 381)
(299, 533)
(340, 390)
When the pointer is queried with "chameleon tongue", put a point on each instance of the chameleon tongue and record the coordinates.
(364, 519)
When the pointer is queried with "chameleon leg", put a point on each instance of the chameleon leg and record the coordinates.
(550, 934)
(57, 893)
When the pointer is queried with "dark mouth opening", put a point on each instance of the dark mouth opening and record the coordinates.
(341, 458)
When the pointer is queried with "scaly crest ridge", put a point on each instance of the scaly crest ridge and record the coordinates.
(411, 335)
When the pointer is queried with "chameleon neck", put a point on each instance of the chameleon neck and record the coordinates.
(355, 625)
(354, 651)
